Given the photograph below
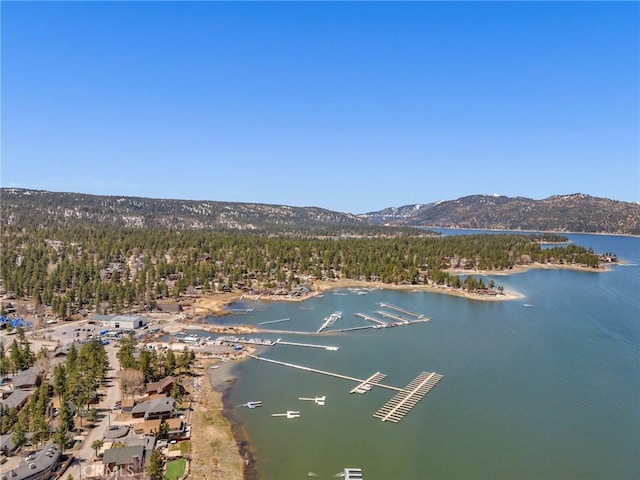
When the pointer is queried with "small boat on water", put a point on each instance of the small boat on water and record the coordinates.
(253, 404)
(528, 305)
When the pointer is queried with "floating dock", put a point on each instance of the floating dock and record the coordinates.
(402, 310)
(365, 386)
(322, 372)
(290, 414)
(352, 474)
(396, 408)
(369, 318)
(274, 321)
(394, 317)
(310, 345)
(317, 400)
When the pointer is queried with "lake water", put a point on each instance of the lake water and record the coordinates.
(549, 391)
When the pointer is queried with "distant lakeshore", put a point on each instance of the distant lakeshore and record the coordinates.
(216, 304)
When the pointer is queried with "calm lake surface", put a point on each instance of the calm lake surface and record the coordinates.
(548, 391)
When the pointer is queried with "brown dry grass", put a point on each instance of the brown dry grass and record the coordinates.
(214, 452)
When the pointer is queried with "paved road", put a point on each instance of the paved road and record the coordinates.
(86, 454)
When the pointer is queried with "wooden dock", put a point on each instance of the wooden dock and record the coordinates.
(310, 345)
(331, 374)
(396, 408)
(402, 310)
(352, 474)
(274, 321)
(365, 386)
(393, 317)
(369, 318)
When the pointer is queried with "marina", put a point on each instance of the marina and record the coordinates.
(522, 410)
(396, 408)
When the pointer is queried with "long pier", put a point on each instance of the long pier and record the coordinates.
(396, 408)
(402, 310)
(274, 321)
(369, 318)
(331, 374)
(393, 317)
(311, 345)
(350, 329)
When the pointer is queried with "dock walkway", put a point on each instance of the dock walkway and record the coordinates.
(401, 310)
(369, 318)
(396, 408)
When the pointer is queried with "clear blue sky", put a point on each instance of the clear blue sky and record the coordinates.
(348, 106)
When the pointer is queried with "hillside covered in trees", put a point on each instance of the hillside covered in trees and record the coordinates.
(110, 269)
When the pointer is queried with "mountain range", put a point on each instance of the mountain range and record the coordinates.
(559, 213)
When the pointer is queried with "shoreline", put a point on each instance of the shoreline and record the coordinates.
(215, 304)
(249, 470)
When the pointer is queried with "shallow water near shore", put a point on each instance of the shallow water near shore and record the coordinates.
(549, 390)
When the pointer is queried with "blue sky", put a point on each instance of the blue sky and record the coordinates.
(347, 106)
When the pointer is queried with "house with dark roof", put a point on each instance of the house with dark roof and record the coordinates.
(131, 459)
(37, 466)
(164, 407)
(26, 379)
(163, 385)
(16, 399)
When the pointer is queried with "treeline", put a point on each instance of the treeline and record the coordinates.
(140, 365)
(75, 382)
(117, 268)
